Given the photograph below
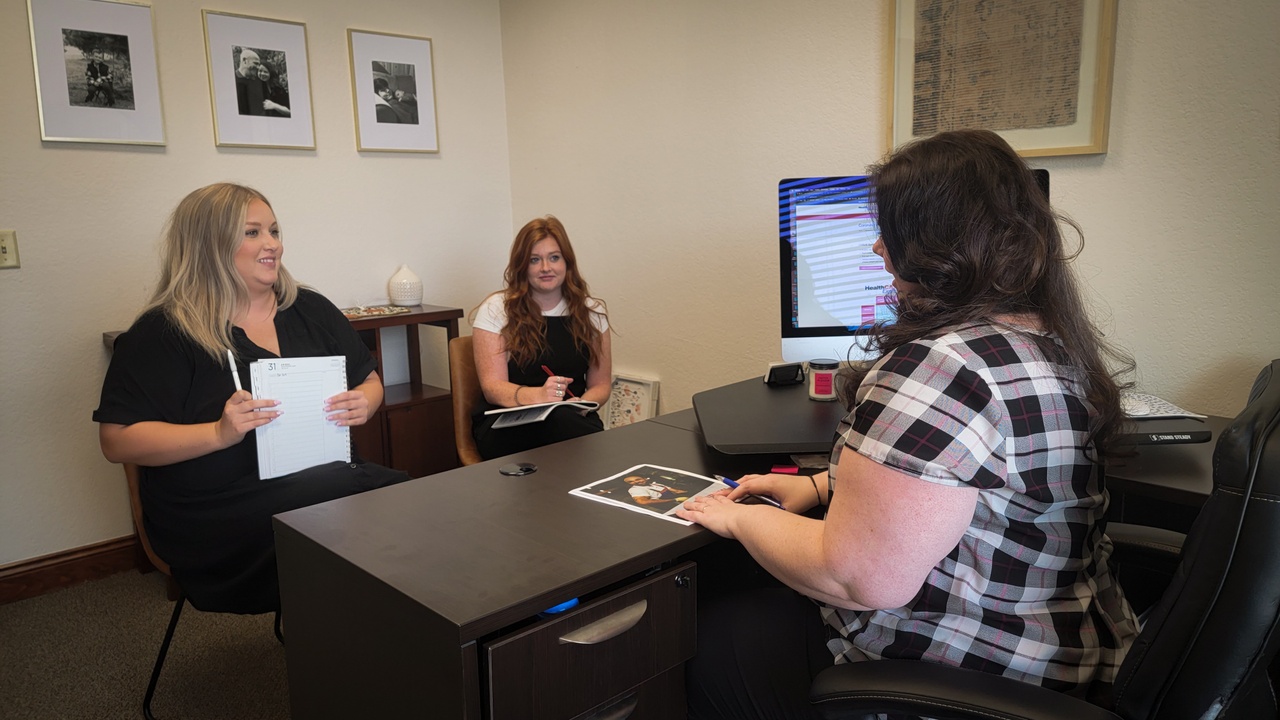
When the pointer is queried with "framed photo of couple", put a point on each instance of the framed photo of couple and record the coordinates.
(260, 81)
(393, 92)
(96, 75)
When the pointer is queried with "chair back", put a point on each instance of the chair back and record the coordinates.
(465, 387)
(133, 474)
(1205, 649)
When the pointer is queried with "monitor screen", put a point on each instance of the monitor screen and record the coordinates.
(834, 288)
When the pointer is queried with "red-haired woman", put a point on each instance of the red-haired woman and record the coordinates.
(542, 339)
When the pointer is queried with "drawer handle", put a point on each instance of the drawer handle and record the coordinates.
(620, 710)
(607, 628)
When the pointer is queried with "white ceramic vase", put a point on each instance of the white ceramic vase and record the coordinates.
(405, 288)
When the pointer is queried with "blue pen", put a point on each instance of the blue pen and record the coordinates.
(761, 498)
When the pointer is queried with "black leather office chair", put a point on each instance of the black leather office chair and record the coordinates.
(1206, 646)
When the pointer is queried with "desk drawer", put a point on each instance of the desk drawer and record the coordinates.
(661, 698)
(563, 667)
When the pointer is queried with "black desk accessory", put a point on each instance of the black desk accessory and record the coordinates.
(518, 469)
(784, 374)
(1166, 431)
(750, 417)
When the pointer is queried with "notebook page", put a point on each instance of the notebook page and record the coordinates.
(302, 437)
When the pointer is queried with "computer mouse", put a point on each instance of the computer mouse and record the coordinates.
(1134, 407)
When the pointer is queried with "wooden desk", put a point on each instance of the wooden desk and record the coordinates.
(400, 600)
(1164, 485)
(751, 417)
(684, 419)
(423, 599)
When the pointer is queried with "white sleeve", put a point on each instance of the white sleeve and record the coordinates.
(491, 315)
(598, 318)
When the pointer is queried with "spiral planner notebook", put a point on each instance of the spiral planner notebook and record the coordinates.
(302, 437)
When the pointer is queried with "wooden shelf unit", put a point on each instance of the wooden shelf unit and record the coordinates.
(413, 430)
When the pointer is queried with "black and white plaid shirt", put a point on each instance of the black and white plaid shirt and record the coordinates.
(1027, 593)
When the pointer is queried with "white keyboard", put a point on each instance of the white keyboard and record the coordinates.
(1141, 406)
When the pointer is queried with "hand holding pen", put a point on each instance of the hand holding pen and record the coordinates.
(734, 485)
(557, 386)
(242, 412)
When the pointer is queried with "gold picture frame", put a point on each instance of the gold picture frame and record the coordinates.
(393, 92)
(97, 73)
(1043, 82)
(253, 108)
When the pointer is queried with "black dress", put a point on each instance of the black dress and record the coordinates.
(210, 517)
(566, 360)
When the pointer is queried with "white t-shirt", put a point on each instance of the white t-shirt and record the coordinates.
(652, 490)
(492, 316)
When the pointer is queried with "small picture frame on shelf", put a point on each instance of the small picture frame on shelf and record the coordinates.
(393, 92)
(96, 75)
(633, 399)
(259, 82)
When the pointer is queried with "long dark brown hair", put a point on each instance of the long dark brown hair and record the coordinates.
(963, 218)
(525, 333)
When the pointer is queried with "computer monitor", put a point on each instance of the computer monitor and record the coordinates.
(833, 287)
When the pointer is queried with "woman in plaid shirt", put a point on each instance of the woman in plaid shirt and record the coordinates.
(965, 496)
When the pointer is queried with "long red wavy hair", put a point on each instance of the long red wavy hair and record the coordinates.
(525, 332)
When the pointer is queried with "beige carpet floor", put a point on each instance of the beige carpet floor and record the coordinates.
(87, 652)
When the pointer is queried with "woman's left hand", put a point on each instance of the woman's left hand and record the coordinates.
(348, 408)
(715, 512)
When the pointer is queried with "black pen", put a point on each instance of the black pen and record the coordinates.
(761, 498)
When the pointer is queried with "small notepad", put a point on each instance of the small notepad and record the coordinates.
(302, 436)
(525, 414)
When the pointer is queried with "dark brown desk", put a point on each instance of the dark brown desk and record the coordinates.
(1164, 485)
(750, 417)
(422, 599)
(402, 601)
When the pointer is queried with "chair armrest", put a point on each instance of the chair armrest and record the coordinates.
(1144, 546)
(912, 687)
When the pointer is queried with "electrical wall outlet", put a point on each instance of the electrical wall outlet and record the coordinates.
(9, 249)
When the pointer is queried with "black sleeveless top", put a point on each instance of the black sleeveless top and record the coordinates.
(560, 354)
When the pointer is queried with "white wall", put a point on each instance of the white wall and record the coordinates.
(658, 132)
(88, 219)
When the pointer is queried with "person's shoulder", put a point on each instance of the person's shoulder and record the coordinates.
(311, 302)
(151, 329)
(940, 354)
(491, 313)
(153, 321)
(494, 298)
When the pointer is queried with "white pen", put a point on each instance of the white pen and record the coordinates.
(235, 376)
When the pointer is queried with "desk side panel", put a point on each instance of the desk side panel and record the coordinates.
(358, 648)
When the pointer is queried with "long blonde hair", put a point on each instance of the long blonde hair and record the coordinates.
(199, 289)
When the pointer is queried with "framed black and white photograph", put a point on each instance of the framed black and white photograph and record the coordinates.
(1037, 72)
(96, 73)
(259, 81)
(393, 92)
